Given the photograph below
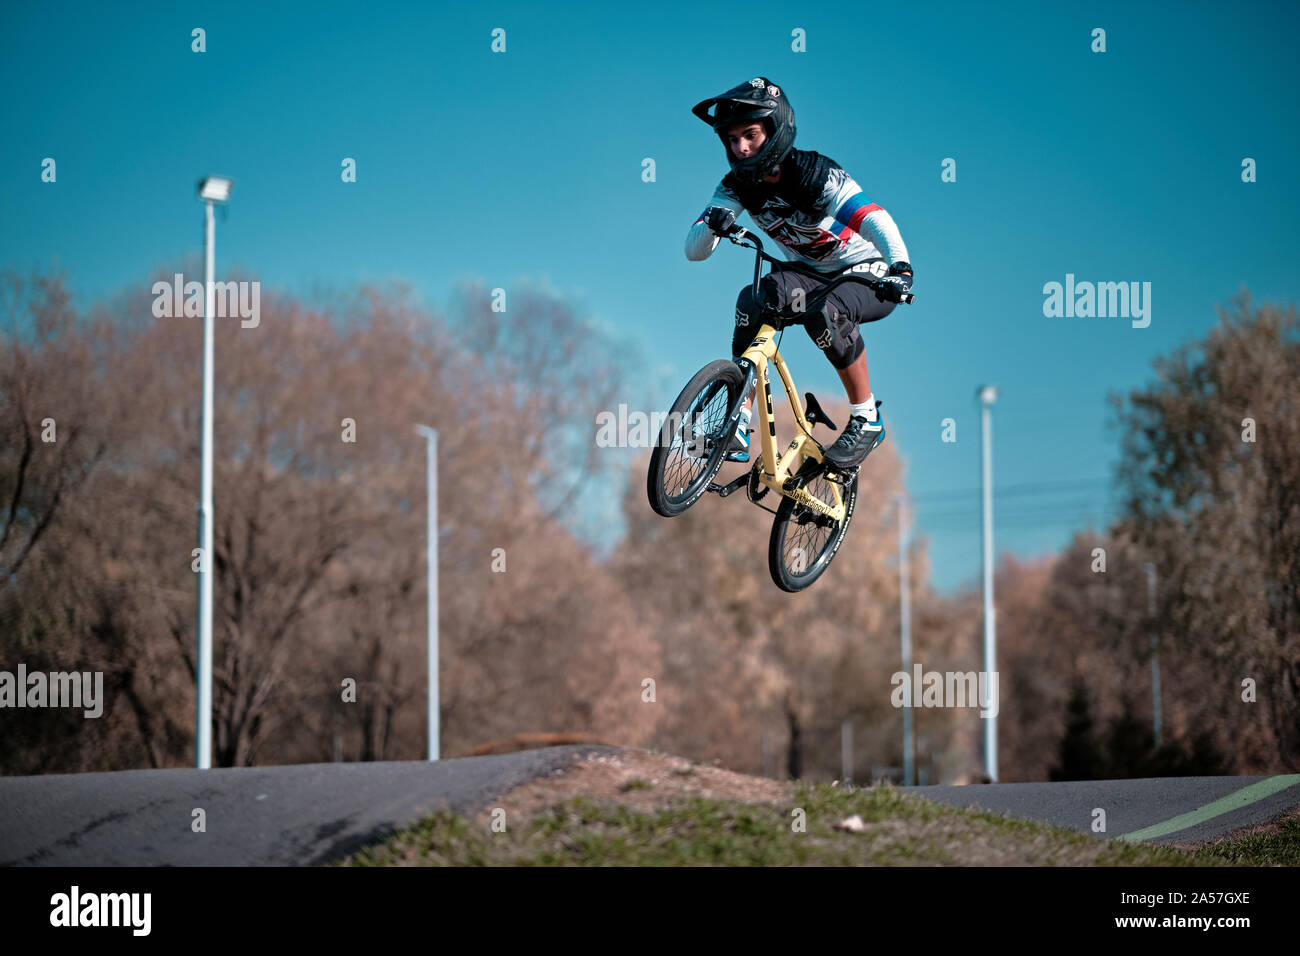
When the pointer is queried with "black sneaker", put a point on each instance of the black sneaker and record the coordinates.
(856, 441)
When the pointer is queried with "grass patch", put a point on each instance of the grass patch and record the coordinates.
(1262, 849)
(900, 830)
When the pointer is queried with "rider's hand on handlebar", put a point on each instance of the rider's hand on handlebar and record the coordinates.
(892, 286)
(720, 219)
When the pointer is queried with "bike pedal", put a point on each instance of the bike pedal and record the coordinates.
(697, 448)
(842, 476)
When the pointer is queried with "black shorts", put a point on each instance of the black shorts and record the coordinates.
(833, 329)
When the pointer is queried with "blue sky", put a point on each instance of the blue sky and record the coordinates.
(1115, 166)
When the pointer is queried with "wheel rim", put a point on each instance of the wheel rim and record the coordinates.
(704, 419)
(808, 535)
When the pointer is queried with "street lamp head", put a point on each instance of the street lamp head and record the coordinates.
(988, 394)
(215, 188)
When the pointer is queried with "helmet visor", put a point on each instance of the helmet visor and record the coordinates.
(727, 112)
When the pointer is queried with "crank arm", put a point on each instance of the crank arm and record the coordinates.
(732, 486)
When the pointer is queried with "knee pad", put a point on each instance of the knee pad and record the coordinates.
(746, 309)
(837, 336)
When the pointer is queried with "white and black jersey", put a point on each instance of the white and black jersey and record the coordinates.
(816, 211)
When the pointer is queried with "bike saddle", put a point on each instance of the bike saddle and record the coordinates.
(815, 413)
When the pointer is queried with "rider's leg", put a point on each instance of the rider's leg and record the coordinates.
(743, 332)
(775, 294)
(835, 332)
(774, 288)
(856, 381)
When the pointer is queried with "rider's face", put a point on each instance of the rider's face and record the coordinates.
(746, 139)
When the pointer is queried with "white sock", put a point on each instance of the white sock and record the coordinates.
(865, 409)
(743, 425)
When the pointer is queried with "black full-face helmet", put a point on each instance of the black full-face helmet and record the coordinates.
(756, 99)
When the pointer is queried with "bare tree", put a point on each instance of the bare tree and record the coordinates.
(1211, 469)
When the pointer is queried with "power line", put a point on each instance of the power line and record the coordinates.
(1026, 509)
(1020, 515)
(1036, 509)
(1010, 491)
(973, 528)
(1061, 498)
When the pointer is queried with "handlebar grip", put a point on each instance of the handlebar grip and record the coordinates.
(873, 284)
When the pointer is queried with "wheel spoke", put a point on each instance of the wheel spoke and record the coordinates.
(808, 536)
(705, 419)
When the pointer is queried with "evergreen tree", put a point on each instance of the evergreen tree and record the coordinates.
(1079, 757)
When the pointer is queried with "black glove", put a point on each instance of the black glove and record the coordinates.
(720, 219)
(898, 281)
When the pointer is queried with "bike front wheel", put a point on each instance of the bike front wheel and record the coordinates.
(804, 542)
(690, 446)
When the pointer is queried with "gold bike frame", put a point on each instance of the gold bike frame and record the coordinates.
(774, 471)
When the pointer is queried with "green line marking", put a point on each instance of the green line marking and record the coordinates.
(1233, 801)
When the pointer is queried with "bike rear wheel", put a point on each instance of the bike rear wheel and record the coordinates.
(691, 445)
(804, 542)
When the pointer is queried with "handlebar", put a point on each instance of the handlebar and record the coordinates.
(741, 236)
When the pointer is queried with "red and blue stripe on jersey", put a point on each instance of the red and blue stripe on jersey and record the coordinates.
(848, 218)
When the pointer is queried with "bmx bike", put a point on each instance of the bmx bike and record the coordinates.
(817, 498)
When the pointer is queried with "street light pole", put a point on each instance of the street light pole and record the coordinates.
(1155, 652)
(988, 394)
(905, 625)
(846, 751)
(431, 560)
(212, 190)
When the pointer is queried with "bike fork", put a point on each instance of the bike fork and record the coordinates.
(751, 379)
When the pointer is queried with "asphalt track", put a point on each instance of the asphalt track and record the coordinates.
(255, 816)
(312, 813)
(1150, 810)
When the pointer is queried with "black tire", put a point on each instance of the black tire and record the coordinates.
(802, 543)
(676, 480)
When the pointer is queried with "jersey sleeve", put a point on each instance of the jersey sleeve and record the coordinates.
(853, 212)
(700, 239)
